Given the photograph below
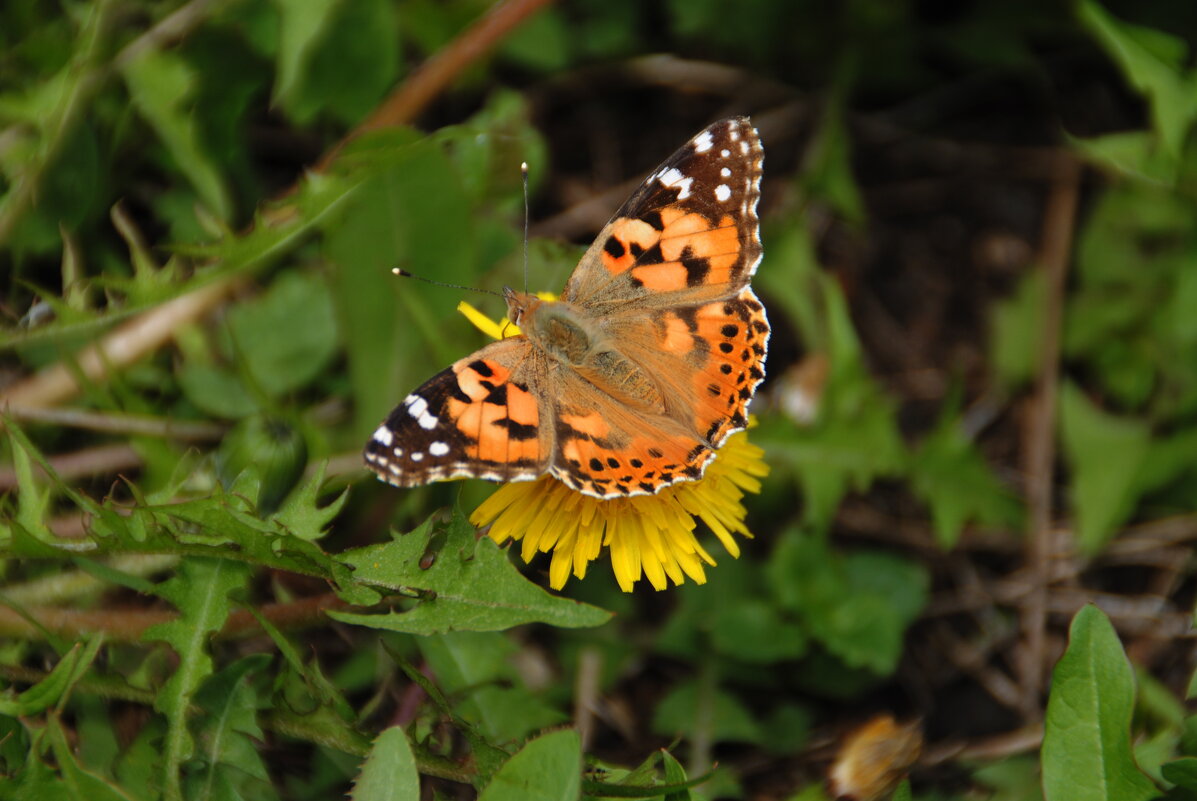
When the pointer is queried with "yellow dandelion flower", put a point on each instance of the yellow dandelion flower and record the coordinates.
(648, 535)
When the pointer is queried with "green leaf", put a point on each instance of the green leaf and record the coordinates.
(337, 58)
(1135, 154)
(52, 689)
(77, 782)
(1086, 743)
(674, 774)
(478, 667)
(1151, 61)
(1015, 339)
(546, 769)
(301, 22)
(680, 713)
(228, 735)
(200, 592)
(858, 605)
(162, 87)
(470, 586)
(855, 438)
(1182, 772)
(1104, 489)
(413, 211)
(288, 335)
(952, 477)
(216, 391)
(389, 773)
(753, 630)
(302, 515)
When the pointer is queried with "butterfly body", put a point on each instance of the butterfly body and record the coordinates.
(643, 367)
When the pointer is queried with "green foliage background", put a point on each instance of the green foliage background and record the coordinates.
(205, 597)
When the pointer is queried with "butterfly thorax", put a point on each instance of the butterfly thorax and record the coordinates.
(576, 340)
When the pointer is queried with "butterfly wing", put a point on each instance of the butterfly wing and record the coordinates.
(608, 450)
(481, 418)
(689, 233)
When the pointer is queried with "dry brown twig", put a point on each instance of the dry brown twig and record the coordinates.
(1040, 434)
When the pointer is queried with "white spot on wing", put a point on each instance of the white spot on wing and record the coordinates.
(725, 152)
(416, 456)
(383, 434)
(438, 449)
(673, 178)
(703, 142)
(722, 193)
(416, 405)
(427, 421)
(725, 172)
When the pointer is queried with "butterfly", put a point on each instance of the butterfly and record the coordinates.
(646, 363)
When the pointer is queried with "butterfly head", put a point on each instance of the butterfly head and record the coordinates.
(521, 306)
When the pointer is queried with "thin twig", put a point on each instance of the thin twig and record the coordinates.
(126, 344)
(136, 425)
(586, 692)
(127, 625)
(1040, 441)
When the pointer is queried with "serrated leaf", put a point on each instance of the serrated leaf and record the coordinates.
(228, 736)
(162, 87)
(470, 585)
(389, 773)
(302, 515)
(53, 688)
(674, 774)
(200, 592)
(33, 498)
(546, 769)
(1086, 743)
(1106, 454)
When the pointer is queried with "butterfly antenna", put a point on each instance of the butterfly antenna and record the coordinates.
(402, 273)
(524, 173)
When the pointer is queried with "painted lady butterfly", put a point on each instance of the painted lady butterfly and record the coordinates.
(645, 365)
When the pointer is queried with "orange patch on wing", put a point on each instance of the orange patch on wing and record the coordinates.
(493, 443)
(629, 232)
(719, 245)
(724, 385)
(470, 380)
(591, 424)
(521, 407)
(677, 337)
(666, 277)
